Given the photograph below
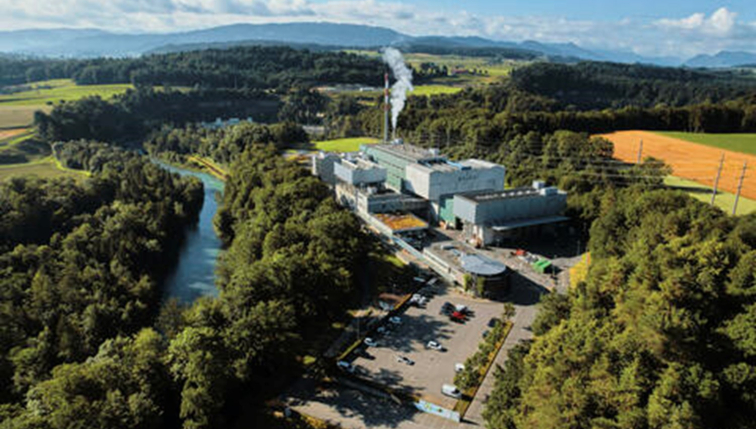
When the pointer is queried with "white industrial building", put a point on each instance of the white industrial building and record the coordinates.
(467, 195)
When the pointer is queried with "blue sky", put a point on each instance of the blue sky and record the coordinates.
(599, 10)
(647, 27)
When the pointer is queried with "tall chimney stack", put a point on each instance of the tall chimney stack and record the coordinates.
(386, 109)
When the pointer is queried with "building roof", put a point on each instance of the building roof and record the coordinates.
(401, 222)
(480, 265)
(480, 196)
(359, 164)
(409, 152)
(444, 165)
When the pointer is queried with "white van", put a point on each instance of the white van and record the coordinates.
(451, 390)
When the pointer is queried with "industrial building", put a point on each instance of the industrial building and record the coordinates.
(427, 174)
(492, 217)
(468, 195)
(323, 166)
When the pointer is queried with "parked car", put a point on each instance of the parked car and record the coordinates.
(396, 320)
(492, 322)
(418, 300)
(461, 308)
(451, 390)
(457, 316)
(458, 367)
(485, 333)
(371, 342)
(345, 366)
(383, 330)
(434, 345)
(405, 360)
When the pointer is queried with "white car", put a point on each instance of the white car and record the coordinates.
(459, 367)
(461, 308)
(345, 366)
(434, 345)
(418, 299)
(451, 390)
(396, 320)
(371, 342)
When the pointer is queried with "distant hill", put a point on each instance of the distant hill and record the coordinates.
(722, 59)
(88, 43)
(34, 41)
(317, 36)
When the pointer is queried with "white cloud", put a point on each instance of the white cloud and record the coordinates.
(721, 23)
(671, 36)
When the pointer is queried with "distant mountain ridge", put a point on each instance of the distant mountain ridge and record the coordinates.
(722, 59)
(94, 43)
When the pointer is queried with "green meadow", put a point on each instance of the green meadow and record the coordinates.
(724, 200)
(745, 143)
(344, 145)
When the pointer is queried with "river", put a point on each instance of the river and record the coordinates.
(194, 275)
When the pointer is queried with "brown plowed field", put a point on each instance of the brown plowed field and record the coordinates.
(691, 161)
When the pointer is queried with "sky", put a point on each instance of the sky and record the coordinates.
(680, 28)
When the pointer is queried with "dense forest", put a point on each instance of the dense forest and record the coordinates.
(222, 145)
(81, 262)
(595, 85)
(131, 116)
(252, 67)
(660, 334)
(478, 121)
(82, 340)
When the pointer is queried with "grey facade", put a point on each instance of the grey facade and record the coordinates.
(360, 172)
(487, 216)
(323, 166)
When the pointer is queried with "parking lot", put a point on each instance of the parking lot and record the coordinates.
(432, 368)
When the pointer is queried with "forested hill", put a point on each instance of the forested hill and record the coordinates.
(596, 85)
(660, 335)
(260, 67)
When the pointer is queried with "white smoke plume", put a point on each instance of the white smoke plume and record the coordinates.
(403, 84)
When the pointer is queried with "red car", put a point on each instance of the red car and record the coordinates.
(458, 317)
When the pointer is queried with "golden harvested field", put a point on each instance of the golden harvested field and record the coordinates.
(7, 134)
(691, 161)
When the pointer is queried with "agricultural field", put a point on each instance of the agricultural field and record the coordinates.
(17, 109)
(430, 90)
(745, 143)
(691, 161)
(10, 134)
(344, 145)
(18, 116)
(491, 72)
(45, 168)
(724, 200)
(54, 91)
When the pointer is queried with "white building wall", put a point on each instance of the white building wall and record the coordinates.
(433, 184)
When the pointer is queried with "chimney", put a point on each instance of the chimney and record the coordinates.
(386, 109)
